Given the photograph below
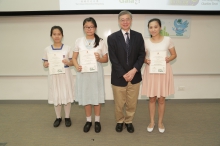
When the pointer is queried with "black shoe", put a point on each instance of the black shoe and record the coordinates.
(87, 126)
(57, 122)
(119, 127)
(130, 127)
(68, 122)
(97, 127)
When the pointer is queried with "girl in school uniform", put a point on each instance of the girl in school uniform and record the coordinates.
(60, 85)
(157, 86)
(90, 88)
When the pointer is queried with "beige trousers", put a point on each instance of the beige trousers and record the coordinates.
(125, 99)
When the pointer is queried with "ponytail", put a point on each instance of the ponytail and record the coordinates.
(97, 39)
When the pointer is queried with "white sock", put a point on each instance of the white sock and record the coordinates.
(89, 119)
(58, 111)
(67, 109)
(97, 118)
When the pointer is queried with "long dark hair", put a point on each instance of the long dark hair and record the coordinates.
(90, 19)
(154, 19)
(56, 27)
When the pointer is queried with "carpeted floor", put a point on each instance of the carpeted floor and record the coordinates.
(187, 124)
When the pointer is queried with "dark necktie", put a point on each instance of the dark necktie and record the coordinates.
(127, 46)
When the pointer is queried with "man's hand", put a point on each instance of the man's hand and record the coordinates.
(130, 75)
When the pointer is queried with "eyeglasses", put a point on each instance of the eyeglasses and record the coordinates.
(91, 27)
(125, 20)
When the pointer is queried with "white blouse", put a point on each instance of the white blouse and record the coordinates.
(82, 44)
(164, 45)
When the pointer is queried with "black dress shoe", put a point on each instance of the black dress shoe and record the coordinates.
(119, 127)
(87, 126)
(97, 127)
(68, 122)
(130, 127)
(57, 122)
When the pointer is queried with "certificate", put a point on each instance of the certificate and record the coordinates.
(158, 63)
(56, 65)
(88, 60)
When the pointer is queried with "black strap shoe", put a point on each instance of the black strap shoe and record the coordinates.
(130, 127)
(87, 126)
(57, 122)
(68, 122)
(119, 127)
(97, 127)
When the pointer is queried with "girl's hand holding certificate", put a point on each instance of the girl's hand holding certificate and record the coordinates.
(167, 59)
(46, 64)
(66, 61)
(148, 61)
(79, 68)
(97, 56)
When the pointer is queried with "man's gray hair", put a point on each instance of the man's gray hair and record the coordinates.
(124, 13)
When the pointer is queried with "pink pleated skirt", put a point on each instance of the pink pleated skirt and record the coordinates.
(160, 85)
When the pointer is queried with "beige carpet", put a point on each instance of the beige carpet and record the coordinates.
(187, 124)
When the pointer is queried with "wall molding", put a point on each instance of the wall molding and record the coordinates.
(112, 101)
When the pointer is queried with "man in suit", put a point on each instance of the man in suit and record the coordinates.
(127, 54)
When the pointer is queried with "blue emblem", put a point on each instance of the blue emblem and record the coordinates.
(180, 26)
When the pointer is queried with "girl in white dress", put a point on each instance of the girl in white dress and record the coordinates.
(60, 85)
(90, 88)
(158, 86)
